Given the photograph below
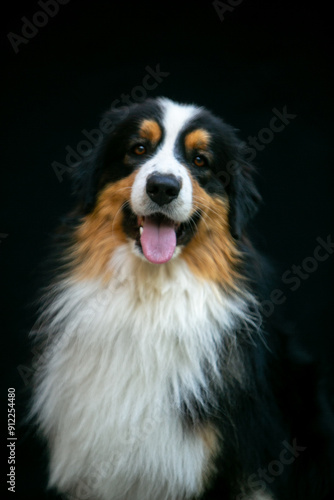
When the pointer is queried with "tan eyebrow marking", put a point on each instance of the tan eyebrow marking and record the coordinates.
(197, 139)
(150, 130)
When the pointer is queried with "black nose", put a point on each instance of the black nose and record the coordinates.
(162, 189)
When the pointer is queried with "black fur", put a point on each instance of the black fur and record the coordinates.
(229, 171)
(277, 431)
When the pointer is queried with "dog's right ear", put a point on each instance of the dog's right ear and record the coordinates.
(244, 197)
(87, 173)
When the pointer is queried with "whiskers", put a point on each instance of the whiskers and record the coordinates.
(202, 203)
(119, 212)
(192, 220)
(201, 206)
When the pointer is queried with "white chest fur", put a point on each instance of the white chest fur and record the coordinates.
(109, 395)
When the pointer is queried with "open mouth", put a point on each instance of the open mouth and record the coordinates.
(157, 236)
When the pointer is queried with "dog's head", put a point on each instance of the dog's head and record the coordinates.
(167, 174)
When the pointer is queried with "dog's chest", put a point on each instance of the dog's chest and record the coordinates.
(130, 355)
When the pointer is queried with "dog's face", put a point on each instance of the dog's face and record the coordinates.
(165, 175)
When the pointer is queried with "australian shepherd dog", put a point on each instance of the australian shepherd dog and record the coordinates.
(161, 378)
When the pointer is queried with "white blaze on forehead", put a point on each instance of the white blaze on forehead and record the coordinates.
(175, 117)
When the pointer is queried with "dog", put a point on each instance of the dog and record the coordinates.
(161, 378)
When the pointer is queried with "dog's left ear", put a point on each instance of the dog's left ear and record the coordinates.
(87, 174)
(244, 197)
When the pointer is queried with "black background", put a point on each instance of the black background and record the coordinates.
(263, 55)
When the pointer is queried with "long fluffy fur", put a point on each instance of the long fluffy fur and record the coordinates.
(162, 381)
(107, 374)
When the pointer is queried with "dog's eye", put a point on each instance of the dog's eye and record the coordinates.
(200, 161)
(139, 149)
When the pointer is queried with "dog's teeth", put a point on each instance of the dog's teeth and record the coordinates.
(140, 230)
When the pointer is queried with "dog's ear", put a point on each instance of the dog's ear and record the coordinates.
(88, 173)
(244, 197)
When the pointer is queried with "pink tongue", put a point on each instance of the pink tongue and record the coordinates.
(158, 240)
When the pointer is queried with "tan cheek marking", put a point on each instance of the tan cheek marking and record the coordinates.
(197, 139)
(101, 232)
(150, 130)
(212, 253)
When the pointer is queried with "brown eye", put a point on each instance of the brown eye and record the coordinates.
(199, 161)
(139, 149)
